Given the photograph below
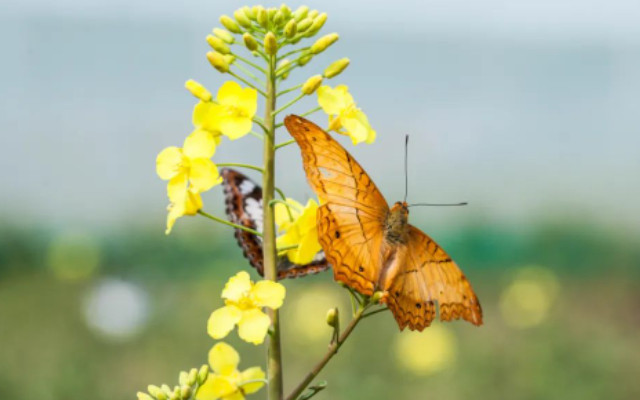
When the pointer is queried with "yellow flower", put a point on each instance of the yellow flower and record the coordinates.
(243, 307)
(301, 232)
(189, 171)
(232, 112)
(226, 382)
(344, 116)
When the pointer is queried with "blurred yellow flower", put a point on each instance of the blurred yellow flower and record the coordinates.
(344, 116)
(243, 307)
(424, 353)
(189, 171)
(301, 232)
(226, 382)
(527, 300)
(232, 112)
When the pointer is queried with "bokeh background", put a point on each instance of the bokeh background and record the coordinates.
(526, 109)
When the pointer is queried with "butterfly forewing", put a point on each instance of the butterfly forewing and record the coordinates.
(243, 199)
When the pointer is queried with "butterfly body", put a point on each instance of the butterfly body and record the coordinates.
(371, 246)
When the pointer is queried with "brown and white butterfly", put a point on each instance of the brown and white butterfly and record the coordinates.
(372, 247)
(243, 200)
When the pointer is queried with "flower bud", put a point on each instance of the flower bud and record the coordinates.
(193, 377)
(166, 389)
(304, 59)
(263, 18)
(304, 24)
(199, 92)
(300, 13)
(332, 317)
(143, 396)
(161, 396)
(230, 24)
(185, 392)
(336, 68)
(312, 14)
(318, 23)
(279, 18)
(250, 42)
(255, 10)
(224, 35)
(183, 377)
(175, 395)
(285, 10)
(218, 44)
(270, 43)
(242, 18)
(203, 373)
(154, 390)
(311, 85)
(218, 61)
(272, 13)
(321, 44)
(250, 12)
(377, 296)
(290, 29)
(284, 66)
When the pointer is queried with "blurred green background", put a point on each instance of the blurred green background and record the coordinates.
(528, 110)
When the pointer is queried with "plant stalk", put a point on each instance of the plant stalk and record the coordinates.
(274, 355)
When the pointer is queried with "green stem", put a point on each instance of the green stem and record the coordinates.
(274, 352)
(246, 82)
(303, 115)
(284, 144)
(240, 165)
(256, 134)
(282, 57)
(296, 87)
(225, 222)
(291, 246)
(289, 104)
(244, 60)
(250, 75)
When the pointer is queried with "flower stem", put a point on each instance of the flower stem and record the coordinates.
(240, 165)
(244, 60)
(225, 222)
(246, 82)
(274, 354)
(292, 102)
(284, 144)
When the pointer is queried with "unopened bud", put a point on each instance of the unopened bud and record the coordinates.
(218, 44)
(230, 24)
(263, 18)
(272, 13)
(166, 389)
(175, 395)
(185, 392)
(336, 68)
(143, 396)
(318, 23)
(242, 18)
(250, 42)
(300, 13)
(270, 43)
(198, 91)
(203, 373)
(183, 377)
(154, 390)
(255, 10)
(377, 296)
(279, 18)
(284, 66)
(162, 396)
(332, 317)
(218, 61)
(285, 10)
(312, 14)
(321, 44)
(193, 377)
(250, 12)
(311, 85)
(304, 24)
(290, 29)
(224, 35)
(304, 59)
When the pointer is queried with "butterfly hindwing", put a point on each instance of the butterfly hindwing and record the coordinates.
(243, 200)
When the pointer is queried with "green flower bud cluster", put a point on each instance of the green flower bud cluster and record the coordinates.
(189, 382)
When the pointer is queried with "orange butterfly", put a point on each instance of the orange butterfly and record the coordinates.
(372, 247)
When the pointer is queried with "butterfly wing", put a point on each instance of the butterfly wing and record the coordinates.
(243, 200)
(423, 275)
(351, 219)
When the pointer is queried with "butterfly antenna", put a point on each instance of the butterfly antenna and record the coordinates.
(439, 204)
(406, 169)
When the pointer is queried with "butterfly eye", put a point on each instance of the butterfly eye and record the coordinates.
(337, 235)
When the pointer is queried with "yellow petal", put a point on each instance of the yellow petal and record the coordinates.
(286, 214)
(307, 249)
(203, 174)
(222, 321)
(169, 162)
(199, 144)
(268, 294)
(215, 387)
(233, 95)
(253, 326)
(206, 115)
(172, 217)
(193, 203)
(177, 188)
(251, 374)
(237, 395)
(223, 359)
(331, 100)
(237, 287)
(235, 127)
